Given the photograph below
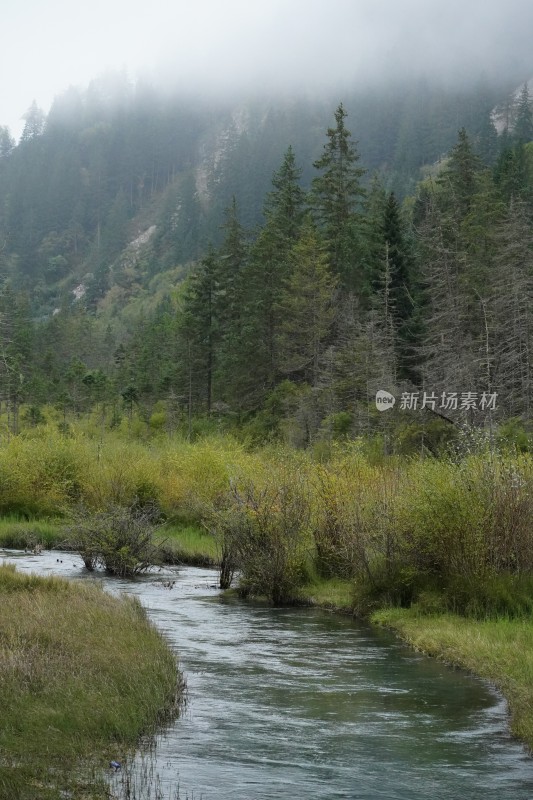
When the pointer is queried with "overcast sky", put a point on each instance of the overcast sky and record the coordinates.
(48, 45)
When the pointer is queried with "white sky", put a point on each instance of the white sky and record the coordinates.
(48, 45)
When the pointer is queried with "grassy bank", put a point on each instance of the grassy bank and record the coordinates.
(82, 675)
(189, 544)
(20, 533)
(500, 651)
(181, 543)
(333, 594)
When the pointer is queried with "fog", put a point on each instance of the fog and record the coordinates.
(224, 45)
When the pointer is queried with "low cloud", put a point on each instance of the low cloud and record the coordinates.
(244, 44)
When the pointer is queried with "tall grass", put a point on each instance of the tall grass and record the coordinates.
(189, 544)
(22, 533)
(82, 675)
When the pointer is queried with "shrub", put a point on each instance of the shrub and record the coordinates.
(355, 526)
(41, 473)
(119, 539)
(263, 530)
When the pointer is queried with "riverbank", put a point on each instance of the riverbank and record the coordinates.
(82, 676)
(333, 594)
(500, 651)
(181, 543)
(497, 650)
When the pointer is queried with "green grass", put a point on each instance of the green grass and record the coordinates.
(19, 533)
(332, 593)
(500, 651)
(82, 675)
(183, 543)
(189, 544)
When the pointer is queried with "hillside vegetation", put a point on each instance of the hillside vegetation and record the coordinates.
(133, 297)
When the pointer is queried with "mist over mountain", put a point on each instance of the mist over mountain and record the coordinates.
(117, 157)
(225, 49)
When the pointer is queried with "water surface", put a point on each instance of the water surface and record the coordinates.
(305, 704)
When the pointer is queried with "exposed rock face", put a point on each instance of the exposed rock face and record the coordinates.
(503, 116)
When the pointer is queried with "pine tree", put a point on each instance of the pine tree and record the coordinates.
(372, 240)
(509, 174)
(34, 125)
(268, 268)
(511, 313)
(399, 268)
(16, 353)
(487, 145)
(458, 179)
(229, 305)
(284, 206)
(7, 142)
(199, 330)
(446, 353)
(478, 232)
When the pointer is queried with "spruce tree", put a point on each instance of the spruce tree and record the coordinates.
(523, 127)
(511, 312)
(199, 331)
(372, 239)
(458, 179)
(307, 308)
(268, 268)
(336, 194)
(399, 269)
(229, 305)
(487, 145)
(34, 125)
(7, 142)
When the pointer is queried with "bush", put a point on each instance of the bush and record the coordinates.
(494, 596)
(41, 473)
(119, 539)
(263, 532)
(355, 526)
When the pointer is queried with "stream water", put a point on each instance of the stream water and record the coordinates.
(304, 704)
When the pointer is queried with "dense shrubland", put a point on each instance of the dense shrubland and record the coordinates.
(121, 539)
(454, 532)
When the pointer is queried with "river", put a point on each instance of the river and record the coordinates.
(308, 705)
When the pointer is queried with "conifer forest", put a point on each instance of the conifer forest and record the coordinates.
(267, 268)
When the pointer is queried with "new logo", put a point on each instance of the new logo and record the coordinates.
(384, 400)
